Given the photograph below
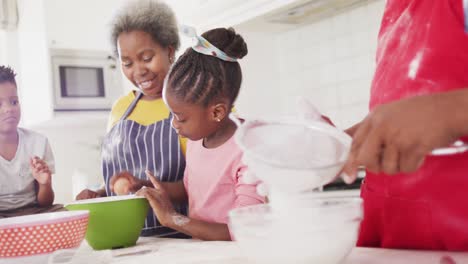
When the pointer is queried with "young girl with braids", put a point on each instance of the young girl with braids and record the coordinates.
(200, 91)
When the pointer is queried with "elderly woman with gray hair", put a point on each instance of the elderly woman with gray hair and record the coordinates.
(140, 137)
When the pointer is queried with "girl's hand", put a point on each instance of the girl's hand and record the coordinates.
(159, 201)
(40, 170)
(124, 183)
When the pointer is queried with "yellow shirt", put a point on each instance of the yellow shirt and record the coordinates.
(145, 113)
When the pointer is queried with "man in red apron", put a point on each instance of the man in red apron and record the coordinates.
(419, 102)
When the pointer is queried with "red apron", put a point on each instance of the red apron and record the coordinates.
(422, 49)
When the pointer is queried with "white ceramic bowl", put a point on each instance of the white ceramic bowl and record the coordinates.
(40, 234)
(293, 156)
(325, 233)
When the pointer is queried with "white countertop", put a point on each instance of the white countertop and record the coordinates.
(184, 251)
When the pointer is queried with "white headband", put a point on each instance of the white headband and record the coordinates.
(203, 46)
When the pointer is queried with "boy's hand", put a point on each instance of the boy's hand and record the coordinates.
(132, 183)
(40, 170)
(159, 201)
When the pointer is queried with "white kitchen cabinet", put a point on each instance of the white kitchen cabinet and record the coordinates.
(214, 13)
(207, 14)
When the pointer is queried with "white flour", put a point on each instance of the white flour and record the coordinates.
(180, 220)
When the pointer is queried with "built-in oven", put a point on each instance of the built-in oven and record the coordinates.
(84, 80)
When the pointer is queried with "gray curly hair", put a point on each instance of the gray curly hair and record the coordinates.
(151, 16)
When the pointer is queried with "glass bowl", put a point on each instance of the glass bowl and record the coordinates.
(324, 232)
(293, 156)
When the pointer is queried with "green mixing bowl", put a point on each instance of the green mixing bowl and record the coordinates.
(114, 222)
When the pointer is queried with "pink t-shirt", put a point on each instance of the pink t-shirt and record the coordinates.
(213, 180)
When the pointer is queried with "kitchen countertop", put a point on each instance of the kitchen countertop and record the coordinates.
(181, 251)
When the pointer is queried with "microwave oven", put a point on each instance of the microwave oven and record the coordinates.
(84, 80)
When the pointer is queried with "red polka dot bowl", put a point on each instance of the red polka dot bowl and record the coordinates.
(42, 233)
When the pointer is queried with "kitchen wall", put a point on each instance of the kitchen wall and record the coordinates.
(33, 63)
(80, 25)
(260, 93)
(330, 63)
(8, 40)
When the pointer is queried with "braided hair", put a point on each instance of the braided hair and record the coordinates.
(199, 79)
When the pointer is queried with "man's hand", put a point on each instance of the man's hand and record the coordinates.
(396, 137)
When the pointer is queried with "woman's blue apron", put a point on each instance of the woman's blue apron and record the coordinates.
(135, 148)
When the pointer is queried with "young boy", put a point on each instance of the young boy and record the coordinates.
(26, 160)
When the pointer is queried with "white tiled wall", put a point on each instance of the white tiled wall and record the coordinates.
(331, 63)
(259, 93)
